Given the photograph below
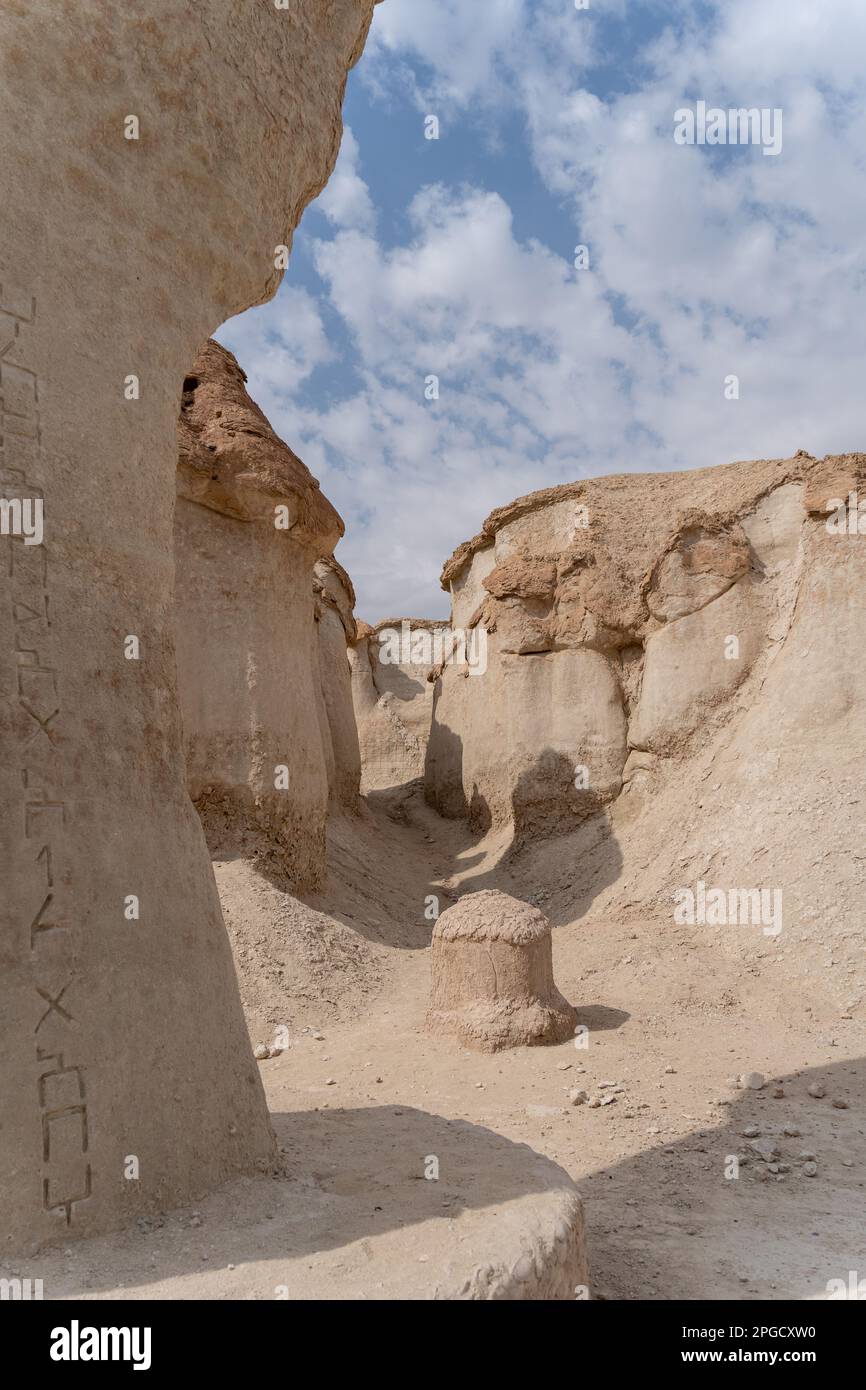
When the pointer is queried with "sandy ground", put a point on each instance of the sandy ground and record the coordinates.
(362, 1096)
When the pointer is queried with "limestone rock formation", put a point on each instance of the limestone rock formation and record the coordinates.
(250, 524)
(492, 975)
(393, 698)
(673, 674)
(185, 141)
(609, 605)
(337, 630)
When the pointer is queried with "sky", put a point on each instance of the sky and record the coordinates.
(455, 258)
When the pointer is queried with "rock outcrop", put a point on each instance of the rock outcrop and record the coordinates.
(250, 525)
(185, 141)
(337, 631)
(492, 975)
(393, 698)
(673, 665)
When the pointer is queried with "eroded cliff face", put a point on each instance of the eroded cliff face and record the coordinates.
(250, 524)
(633, 622)
(393, 698)
(337, 630)
(116, 1025)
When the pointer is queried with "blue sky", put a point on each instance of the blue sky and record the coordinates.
(454, 257)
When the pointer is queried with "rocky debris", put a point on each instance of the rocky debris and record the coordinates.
(492, 975)
(817, 1090)
(753, 1081)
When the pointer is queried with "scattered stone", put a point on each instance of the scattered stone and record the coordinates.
(753, 1080)
(810, 1168)
(791, 1131)
(670, 1071)
(577, 1097)
(765, 1149)
(331, 1081)
(750, 1132)
(817, 1090)
(839, 1104)
(607, 1100)
(778, 1093)
(262, 1052)
(806, 1156)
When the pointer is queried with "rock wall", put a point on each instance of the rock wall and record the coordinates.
(183, 142)
(633, 621)
(250, 523)
(336, 628)
(393, 698)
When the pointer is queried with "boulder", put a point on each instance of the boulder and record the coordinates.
(492, 975)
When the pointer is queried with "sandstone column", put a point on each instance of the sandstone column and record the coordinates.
(249, 525)
(153, 158)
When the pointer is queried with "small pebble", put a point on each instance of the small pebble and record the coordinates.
(331, 1081)
(810, 1169)
(262, 1052)
(839, 1104)
(817, 1090)
(753, 1080)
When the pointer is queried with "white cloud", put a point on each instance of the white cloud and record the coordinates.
(346, 200)
(703, 265)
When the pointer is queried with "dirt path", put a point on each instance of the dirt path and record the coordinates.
(672, 1023)
(363, 1096)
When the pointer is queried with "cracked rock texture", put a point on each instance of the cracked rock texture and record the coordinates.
(675, 675)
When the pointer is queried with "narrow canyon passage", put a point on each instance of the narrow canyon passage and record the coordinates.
(362, 1096)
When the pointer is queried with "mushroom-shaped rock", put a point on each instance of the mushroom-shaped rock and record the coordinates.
(493, 975)
(250, 525)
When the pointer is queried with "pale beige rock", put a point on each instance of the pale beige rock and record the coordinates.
(124, 1036)
(393, 698)
(256, 732)
(492, 975)
(625, 613)
(337, 630)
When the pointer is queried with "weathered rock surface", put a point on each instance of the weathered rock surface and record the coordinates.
(256, 733)
(123, 1035)
(492, 975)
(609, 606)
(393, 698)
(337, 631)
(690, 702)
